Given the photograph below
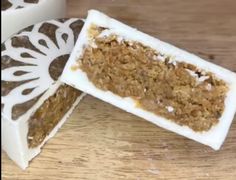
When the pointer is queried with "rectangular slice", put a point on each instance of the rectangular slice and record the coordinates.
(154, 80)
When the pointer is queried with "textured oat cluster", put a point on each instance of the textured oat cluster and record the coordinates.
(175, 90)
(50, 113)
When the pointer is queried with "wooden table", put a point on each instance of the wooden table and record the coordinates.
(100, 141)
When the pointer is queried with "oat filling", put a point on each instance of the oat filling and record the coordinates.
(43, 121)
(174, 90)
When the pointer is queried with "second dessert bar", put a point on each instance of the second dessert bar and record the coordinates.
(163, 84)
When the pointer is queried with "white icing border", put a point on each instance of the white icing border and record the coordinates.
(213, 138)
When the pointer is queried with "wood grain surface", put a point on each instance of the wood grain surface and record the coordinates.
(100, 141)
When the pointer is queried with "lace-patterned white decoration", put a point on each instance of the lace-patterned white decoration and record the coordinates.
(37, 64)
(20, 3)
(15, 4)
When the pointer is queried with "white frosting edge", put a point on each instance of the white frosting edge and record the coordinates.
(78, 79)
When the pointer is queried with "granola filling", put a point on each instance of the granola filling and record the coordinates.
(49, 114)
(177, 91)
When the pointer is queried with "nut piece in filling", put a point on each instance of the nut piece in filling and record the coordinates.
(50, 113)
(174, 90)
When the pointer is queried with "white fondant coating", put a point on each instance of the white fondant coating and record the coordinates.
(14, 20)
(78, 79)
(14, 132)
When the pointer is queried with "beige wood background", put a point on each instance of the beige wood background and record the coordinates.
(100, 141)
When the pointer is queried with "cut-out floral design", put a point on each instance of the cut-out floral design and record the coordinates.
(26, 60)
(16, 4)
